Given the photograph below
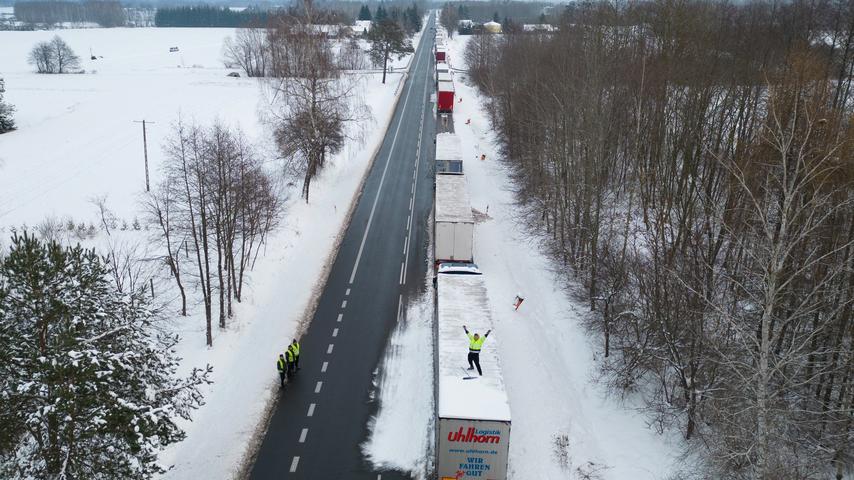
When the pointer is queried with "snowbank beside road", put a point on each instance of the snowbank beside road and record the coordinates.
(562, 421)
(406, 395)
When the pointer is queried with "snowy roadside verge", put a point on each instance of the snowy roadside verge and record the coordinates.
(564, 425)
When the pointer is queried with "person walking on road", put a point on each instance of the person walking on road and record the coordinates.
(475, 345)
(295, 346)
(289, 356)
(282, 366)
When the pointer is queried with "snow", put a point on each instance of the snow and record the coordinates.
(448, 147)
(408, 403)
(76, 140)
(462, 300)
(548, 365)
(452, 199)
(76, 134)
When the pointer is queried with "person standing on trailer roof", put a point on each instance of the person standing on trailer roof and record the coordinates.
(475, 345)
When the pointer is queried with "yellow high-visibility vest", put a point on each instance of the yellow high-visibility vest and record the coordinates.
(475, 345)
(289, 354)
(296, 348)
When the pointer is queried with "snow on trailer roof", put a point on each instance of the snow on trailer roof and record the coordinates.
(462, 300)
(446, 86)
(448, 147)
(452, 199)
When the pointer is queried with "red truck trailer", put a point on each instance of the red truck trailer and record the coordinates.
(441, 53)
(445, 97)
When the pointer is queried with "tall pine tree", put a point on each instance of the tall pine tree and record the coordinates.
(387, 39)
(87, 385)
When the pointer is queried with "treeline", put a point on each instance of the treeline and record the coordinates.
(106, 13)
(208, 16)
(690, 163)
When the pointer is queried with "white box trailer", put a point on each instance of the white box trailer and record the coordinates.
(442, 67)
(444, 77)
(449, 154)
(453, 226)
(472, 412)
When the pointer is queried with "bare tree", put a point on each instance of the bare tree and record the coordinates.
(41, 56)
(249, 51)
(54, 56)
(314, 103)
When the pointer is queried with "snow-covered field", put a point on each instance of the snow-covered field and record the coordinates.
(546, 357)
(77, 140)
(76, 134)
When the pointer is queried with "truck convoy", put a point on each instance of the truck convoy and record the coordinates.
(472, 411)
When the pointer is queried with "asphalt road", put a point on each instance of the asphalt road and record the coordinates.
(321, 417)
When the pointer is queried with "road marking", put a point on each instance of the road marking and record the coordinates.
(317, 387)
(344, 304)
(302, 435)
(401, 273)
(382, 178)
(335, 332)
(324, 367)
(311, 410)
(329, 349)
(347, 293)
(399, 305)
(340, 317)
(294, 464)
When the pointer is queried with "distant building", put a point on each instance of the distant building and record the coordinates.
(492, 27)
(465, 24)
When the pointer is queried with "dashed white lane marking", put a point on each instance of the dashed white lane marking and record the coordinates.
(340, 317)
(344, 304)
(399, 305)
(335, 332)
(302, 435)
(311, 410)
(294, 464)
(324, 367)
(347, 293)
(329, 349)
(401, 273)
(317, 387)
(382, 178)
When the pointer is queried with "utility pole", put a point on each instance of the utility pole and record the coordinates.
(145, 152)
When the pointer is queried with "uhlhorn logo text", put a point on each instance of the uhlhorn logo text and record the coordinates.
(471, 436)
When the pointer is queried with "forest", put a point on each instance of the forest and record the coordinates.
(688, 165)
(207, 16)
(106, 13)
